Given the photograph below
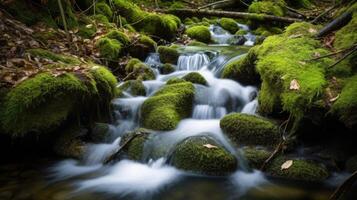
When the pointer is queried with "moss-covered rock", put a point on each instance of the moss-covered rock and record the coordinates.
(301, 28)
(195, 77)
(351, 164)
(241, 32)
(139, 70)
(44, 102)
(104, 9)
(256, 156)
(174, 80)
(42, 53)
(142, 47)
(229, 24)
(109, 48)
(199, 33)
(99, 132)
(167, 68)
(242, 70)
(168, 54)
(267, 31)
(196, 155)
(136, 146)
(162, 26)
(119, 36)
(346, 105)
(275, 7)
(304, 170)
(249, 129)
(134, 87)
(168, 106)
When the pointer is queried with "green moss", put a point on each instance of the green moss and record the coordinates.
(250, 129)
(302, 28)
(101, 19)
(135, 87)
(119, 36)
(177, 5)
(346, 105)
(268, 7)
(256, 156)
(103, 9)
(167, 69)
(136, 146)
(199, 33)
(99, 132)
(267, 31)
(146, 40)
(42, 103)
(175, 80)
(192, 155)
(195, 77)
(300, 170)
(87, 31)
(42, 53)
(229, 25)
(168, 55)
(139, 70)
(143, 47)
(168, 106)
(109, 48)
(241, 32)
(242, 70)
(351, 164)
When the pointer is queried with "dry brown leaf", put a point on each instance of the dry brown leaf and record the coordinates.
(287, 164)
(294, 85)
(210, 146)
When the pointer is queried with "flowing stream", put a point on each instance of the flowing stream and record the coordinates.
(154, 177)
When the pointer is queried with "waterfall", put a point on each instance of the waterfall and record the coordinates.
(192, 62)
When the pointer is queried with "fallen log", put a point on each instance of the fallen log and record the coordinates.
(237, 15)
(346, 185)
(335, 24)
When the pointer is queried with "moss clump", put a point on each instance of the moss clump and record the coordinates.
(195, 77)
(139, 70)
(300, 170)
(241, 32)
(249, 129)
(136, 146)
(163, 26)
(255, 156)
(42, 53)
(192, 155)
(229, 25)
(134, 87)
(42, 103)
(174, 81)
(168, 55)
(267, 31)
(168, 106)
(268, 7)
(103, 9)
(301, 28)
(119, 36)
(199, 33)
(99, 132)
(346, 105)
(242, 70)
(101, 19)
(167, 69)
(142, 47)
(351, 164)
(109, 48)
(146, 40)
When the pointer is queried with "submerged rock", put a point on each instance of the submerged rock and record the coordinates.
(168, 106)
(202, 154)
(304, 170)
(250, 130)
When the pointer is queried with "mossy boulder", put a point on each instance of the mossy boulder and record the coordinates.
(242, 70)
(168, 54)
(45, 101)
(142, 47)
(199, 33)
(249, 129)
(65, 59)
(174, 81)
(167, 106)
(134, 87)
(109, 48)
(345, 106)
(167, 68)
(301, 28)
(99, 132)
(275, 7)
(195, 77)
(255, 156)
(351, 164)
(303, 170)
(138, 70)
(229, 24)
(104, 9)
(119, 36)
(202, 154)
(136, 146)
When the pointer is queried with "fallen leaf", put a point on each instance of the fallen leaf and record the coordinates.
(317, 54)
(302, 62)
(210, 146)
(294, 85)
(287, 164)
(312, 30)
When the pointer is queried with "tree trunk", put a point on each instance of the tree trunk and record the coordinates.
(237, 15)
(335, 24)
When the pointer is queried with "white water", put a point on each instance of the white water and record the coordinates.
(218, 98)
(223, 37)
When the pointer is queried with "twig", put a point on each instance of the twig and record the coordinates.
(244, 3)
(330, 54)
(295, 11)
(323, 14)
(343, 57)
(212, 4)
(346, 185)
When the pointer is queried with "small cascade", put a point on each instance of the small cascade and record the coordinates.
(153, 60)
(223, 37)
(219, 35)
(192, 62)
(208, 112)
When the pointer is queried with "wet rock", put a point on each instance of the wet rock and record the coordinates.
(256, 156)
(195, 77)
(202, 154)
(168, 54)
(237, 40)
(167, 69)
(99, 132)
(70, 143)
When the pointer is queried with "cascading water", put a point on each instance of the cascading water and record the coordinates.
(142, 180)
